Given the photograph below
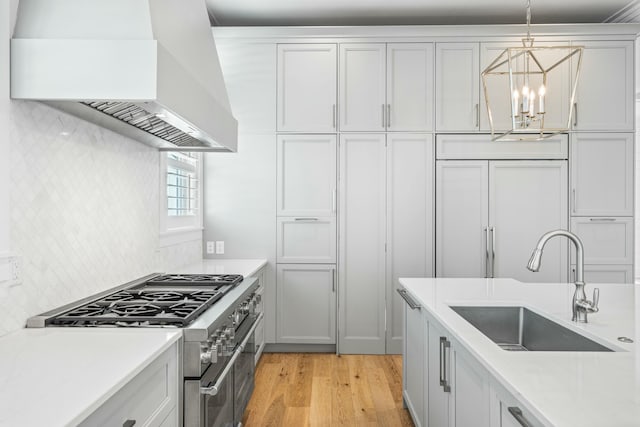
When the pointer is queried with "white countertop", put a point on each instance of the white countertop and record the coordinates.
(563, 389)
(59, 376)
(245, 267)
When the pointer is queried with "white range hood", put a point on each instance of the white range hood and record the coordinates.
(144, 68)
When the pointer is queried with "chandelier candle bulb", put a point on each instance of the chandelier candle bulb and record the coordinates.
(525, 99)
(516, 106)
(541, 92)
(532, 104)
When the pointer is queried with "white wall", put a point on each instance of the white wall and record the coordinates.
(79, 205)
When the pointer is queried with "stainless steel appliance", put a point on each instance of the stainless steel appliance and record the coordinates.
(218, 315)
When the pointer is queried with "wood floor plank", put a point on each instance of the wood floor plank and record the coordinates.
(318, 390)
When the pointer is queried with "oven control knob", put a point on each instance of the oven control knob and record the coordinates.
(209, 354)
(229, 333)
(245, 309)
(219, 347)
(236, 317)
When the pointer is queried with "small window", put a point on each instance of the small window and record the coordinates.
(182, 189)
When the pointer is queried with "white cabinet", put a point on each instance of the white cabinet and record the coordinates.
(470, 391)
(149, 399)
(386, 87)
(507, 411)
(605, 96)
(306, 240)
(307, 88)
(362, 244)
(414, 361)
(487, 211)
(409, 210)
(480, 146)
(602, 174)
(457, 87)
(600, 273)
(306, 304)
(438, 377)
(306, 175)
(605, 240)
(386, 223)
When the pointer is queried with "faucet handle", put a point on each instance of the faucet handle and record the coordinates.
(596, 298)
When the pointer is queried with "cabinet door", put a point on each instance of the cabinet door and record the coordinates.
(306, 175)
(439, 367)
(462, 218)
(307, 88)
(409, 86)
(526, 200)
(414, 360)
(605, 95)
(457, 86)
(306, 240)
(306, 304)
(362, 240)
(602, 174)
(362, 87)
(558, 86)
(409, 221)
(471, 392)
(605, 240)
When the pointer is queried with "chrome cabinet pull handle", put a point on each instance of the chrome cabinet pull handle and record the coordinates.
(388, 115)
(493, 252)
(446, 386)
(602, 219)
(333, 280)
(573, 194)
(486, 253)
(575, 114)
(477, 115)
(334, 200)
(410, 302)
(334, 116)
(305, 219)
(384, 119)
(442, 341)
(519, 416)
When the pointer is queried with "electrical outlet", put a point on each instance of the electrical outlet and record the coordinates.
(211, 247)
(220, 247)
(16, 271)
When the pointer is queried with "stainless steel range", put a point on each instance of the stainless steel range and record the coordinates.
(218, 315)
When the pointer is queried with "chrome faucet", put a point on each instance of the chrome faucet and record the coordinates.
(581, 306)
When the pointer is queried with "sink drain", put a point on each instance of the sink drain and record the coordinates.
(625, 340)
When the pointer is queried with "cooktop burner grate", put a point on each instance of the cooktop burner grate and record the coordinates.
(195, 279)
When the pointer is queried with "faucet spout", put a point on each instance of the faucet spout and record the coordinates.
(581, 306)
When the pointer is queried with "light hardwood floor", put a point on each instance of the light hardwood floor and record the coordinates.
(310, 389)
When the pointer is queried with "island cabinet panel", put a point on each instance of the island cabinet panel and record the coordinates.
(605, 95)
(307, 88)
(414, 364)
(470, 391)
(149, 399)
(439, 402)
(457, 87)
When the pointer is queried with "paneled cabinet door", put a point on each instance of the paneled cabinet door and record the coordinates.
(307, 88)
(602, 174)
(457, 86)
(558, 86)
(526, 200)
(362, 244)
(409, 221)
(605, 95)
(602, 273)
(409, 87)
(462, 218)
(362, 94)
(306, 304)
(414, 363)
(606, 240)
(306, 175)
(306, 240)
(470, 391)
(438, 377)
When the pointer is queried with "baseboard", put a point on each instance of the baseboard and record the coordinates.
(300, 348)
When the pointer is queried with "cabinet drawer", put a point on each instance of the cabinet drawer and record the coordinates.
(306, 240)
(594, 273)
(606, 240)
(481, 147)
(149, 399)
(259, 340)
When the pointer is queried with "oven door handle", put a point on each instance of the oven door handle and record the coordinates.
(214, 389)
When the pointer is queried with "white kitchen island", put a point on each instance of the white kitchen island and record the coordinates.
(550, 388)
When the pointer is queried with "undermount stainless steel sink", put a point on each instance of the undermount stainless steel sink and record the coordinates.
(520, 329)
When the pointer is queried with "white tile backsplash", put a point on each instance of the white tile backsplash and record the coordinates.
(84, 212)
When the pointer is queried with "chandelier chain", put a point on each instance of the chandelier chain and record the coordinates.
(528, 19)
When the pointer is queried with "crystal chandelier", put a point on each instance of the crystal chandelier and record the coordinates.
(528, 90)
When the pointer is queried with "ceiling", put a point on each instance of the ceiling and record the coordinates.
(407, 12)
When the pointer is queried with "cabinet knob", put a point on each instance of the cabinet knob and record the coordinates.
(129, 423)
